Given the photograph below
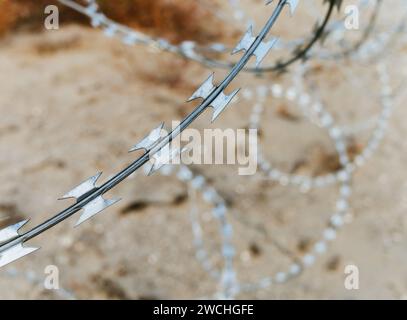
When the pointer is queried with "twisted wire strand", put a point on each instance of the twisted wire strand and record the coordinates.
(189, 49)
(230, 285)
(165, 141)
(370, 46)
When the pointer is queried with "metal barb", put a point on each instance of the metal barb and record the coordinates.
(14, 253)
(263, 50)
(11, 232)
(94, 206)
(17, 251)
(248, 40)
(83, 188)
(292, 3)
(150, 140)
(164, 157)
(204, 90)
(90, 198)
(191, 50)
(221, 102)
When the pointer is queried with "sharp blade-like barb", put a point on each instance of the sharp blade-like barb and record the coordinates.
(164, 157)
(221, 102)
(11, 232)
(292, 3)
(83, 188)
(204, 90)
(246, 42)
(94, 207)
(150, 140)
(263, 49)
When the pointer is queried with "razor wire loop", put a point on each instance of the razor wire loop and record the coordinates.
(228, 276)
(335, 28)
(308, 259)
(380, 44)
(365, 47)
(219, 210)
(90, 197)
(368, 46)
(337, 220)
(300, 52)
(305, 183)
(280, 277)
(189, 49)
(302, 49)
(316, 112)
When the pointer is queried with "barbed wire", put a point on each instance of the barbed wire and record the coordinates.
(192, 50)
(90, 197)
(369, 45)
(343, 179)
(316, 112)
(228, 277)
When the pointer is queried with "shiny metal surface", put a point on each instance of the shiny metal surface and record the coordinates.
(89, 197)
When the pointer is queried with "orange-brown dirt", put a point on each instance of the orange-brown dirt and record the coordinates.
(176, 20)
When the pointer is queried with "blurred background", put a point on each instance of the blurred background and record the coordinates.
(73, 101)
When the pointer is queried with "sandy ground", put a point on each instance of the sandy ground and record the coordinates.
(73, 102)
